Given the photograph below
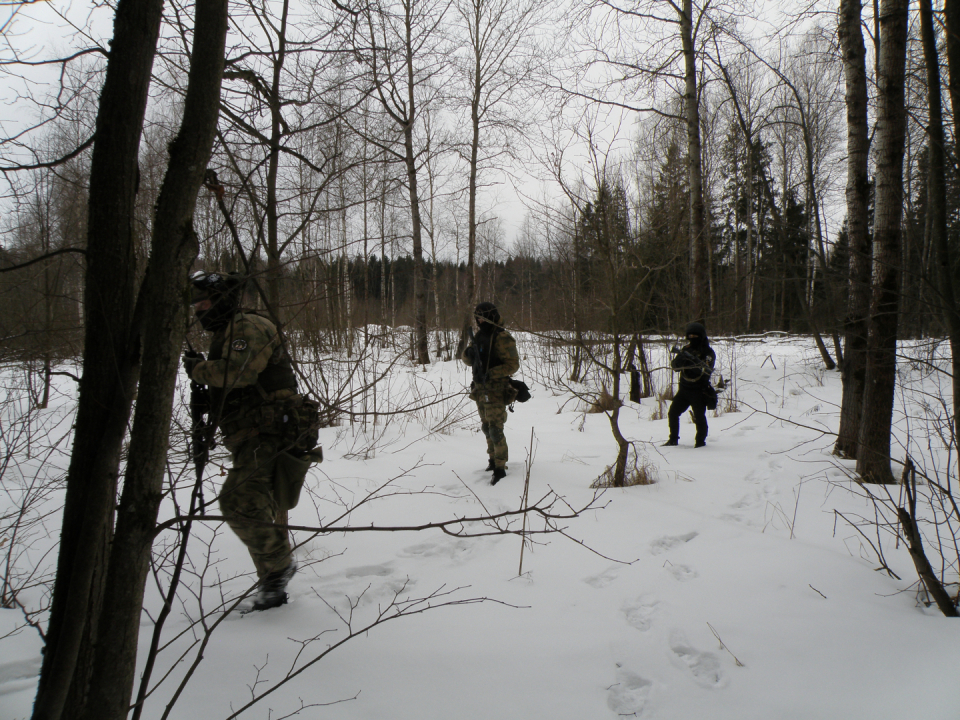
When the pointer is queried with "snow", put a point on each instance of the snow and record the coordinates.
(730, 588)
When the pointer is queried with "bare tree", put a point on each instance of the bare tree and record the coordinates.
(399, 45)
(853, 367)
(100, 581)
(873, 454)
(499, 62)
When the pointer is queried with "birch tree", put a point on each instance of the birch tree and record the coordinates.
(853, 368)
(873, 454)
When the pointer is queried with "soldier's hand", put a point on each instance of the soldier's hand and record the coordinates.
(190, 360)
(470, 353)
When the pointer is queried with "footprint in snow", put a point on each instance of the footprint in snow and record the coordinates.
(683, 572)
(745, 430)
(640, 611)
(368, 571)
(705, 666)
(455, 490)
(667, 542)
(450, 549)
(629, 694)
(603, 579)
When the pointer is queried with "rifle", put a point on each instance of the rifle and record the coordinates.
(692, 362)
(200, 432)
(478, 371)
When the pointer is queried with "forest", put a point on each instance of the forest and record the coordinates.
(604, 172)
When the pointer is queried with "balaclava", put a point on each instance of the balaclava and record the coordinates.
(696, 328)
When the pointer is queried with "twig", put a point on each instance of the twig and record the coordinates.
(523, 501)
(722, 645)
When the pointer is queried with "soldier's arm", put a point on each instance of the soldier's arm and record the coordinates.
(684, 360)
(247, 348)
(506, 348)
(711, 360)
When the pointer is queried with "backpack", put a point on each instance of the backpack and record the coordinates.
(710, 397)
(523, 392)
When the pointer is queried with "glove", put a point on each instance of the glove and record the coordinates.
(190, 360)
(470, 353)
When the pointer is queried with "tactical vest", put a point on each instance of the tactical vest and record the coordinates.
(240, 403)
(488, 358)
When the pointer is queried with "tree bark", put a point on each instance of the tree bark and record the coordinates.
(476, 90)
(911, 532)
(110, 363)
(873, 455)
(174, 248)
(853, 368)
(699, 248)
(948, 275)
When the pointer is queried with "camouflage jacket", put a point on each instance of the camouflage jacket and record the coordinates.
(504, 361)
(247, 368)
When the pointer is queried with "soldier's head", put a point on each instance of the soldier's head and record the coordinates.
(696, 334)
(216, 297)
(485, 313)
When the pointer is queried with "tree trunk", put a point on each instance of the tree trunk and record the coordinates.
(853, 368)
(699, 250)
(948, 276)
(110, 364)
(174, 248)
(472, 298)
(873, 455)
(273, 164)
(422, 350)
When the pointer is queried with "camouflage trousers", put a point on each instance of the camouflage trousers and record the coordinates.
(248, 495)
(493, 416)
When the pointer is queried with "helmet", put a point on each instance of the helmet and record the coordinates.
(488, 311)
(224, 293)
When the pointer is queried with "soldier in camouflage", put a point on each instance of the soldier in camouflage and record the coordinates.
(493, 357)
(252, 384)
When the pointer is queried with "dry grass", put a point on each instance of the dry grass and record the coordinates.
(642, 472)
(604, 402)
(660, 411)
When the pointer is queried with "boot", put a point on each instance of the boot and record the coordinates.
(272, 590)
(700, 443)
(491, 466)
(498, 475)
(672, 442)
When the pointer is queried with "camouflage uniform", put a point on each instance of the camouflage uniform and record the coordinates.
(251, 380)
(492, 391)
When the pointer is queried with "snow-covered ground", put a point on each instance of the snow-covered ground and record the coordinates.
(730, 588)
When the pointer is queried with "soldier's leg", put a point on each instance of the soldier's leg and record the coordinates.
(485, 427)
(700, 420)
(496, 414)
(247, 495)
(677, 408)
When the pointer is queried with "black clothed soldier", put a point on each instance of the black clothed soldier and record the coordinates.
(695, 363)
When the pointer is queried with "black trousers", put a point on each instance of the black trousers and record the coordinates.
(688, 397)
